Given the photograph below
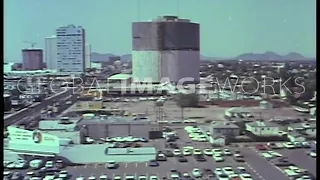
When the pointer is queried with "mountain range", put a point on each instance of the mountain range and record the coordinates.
(293, 56)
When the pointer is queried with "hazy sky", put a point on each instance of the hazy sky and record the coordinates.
(228, 27)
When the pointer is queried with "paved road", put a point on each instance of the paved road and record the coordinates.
(17, 117)
(300, 158)
(265, 169)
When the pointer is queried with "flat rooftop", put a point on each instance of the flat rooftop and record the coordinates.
(100, 153)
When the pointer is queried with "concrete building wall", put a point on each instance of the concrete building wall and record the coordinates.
(173, 36)
(167, 47)
(88, 56)
(70, 49)
(173, 65)
(51, 52)
(32, 59)
(145, 66)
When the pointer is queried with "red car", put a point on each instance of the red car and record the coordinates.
(261, 147)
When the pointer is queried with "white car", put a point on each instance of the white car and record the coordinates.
(176, 152)
(295, 169)
(142, 177)
(313, 154)
(218, 171)
(153, 177)
(216, 151)
(218, 158)
(103, 177)
(187, 152)
(228, 170)
(227, 152)
(6, 173)
(63, 174)
(275, 154)
(175, 177)
(111, 164)
(232, 176)
(289, 145)
(197, 152)
(246, 176)
(49, 164)
(196, 173)
(208, 152)
(91, 178)
(186, 175)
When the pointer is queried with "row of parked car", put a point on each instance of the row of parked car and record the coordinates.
(218, 155)
(220, 173)
(282, 145)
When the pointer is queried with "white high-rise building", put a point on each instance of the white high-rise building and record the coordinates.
(70, 49)
(88, 55)
(50, 52)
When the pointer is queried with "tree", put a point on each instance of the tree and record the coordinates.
(184, 100)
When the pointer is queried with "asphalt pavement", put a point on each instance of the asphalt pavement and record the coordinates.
(163, 170)
(18, 116)
(300, 158)
(262, 167)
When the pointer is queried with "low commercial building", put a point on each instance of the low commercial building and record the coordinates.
(296, 137)
(39, 143)
(123, 79)
(263, 128)
(88, 105)
(218, 140)
(32, 142)
(100, 153)
(309, 129)
(225, 129)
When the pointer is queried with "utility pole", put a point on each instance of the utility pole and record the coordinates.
(129, 129)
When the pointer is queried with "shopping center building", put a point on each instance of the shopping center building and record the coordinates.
(37, 144)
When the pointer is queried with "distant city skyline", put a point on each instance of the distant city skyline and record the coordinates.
(228, 27)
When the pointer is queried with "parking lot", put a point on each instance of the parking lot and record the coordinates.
(298, 157)
(258, 167)
(163, 170)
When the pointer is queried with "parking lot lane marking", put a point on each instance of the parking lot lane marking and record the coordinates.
(85, 166)
(126, 165)
(75, 167)
(254, 171)
(136, 164)
(124, 175)
(146, 164)
(95, 165)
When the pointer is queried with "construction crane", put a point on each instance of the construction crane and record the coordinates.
(31, 43)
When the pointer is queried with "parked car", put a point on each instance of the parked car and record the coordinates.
(261, 147)
(182, 159)
(161, 157)
(153, 163)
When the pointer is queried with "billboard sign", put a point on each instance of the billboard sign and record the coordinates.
(33, 140)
